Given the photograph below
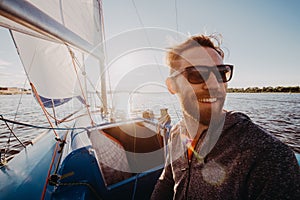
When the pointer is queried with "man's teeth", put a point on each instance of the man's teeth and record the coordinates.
(207, 100)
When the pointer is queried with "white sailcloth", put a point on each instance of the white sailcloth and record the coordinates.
(49, 66)
(48, 62)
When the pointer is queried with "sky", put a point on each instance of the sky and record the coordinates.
(261, 38)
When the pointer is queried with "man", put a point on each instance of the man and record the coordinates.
(213, 153)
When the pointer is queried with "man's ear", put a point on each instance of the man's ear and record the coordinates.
(171, 85)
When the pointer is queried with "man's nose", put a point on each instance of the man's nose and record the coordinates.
(212, 82)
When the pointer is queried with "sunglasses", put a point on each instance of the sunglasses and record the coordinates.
(200, 74)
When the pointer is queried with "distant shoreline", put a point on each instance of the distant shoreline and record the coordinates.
(17, 93)
(279, 89)
(13, 91)
(264, 92)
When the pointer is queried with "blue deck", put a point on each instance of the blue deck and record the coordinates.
(26, 174)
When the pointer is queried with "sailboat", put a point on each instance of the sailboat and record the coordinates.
(89, 153)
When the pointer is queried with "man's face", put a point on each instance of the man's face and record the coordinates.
(203, 101)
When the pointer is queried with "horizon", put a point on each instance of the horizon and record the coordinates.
(254, 87)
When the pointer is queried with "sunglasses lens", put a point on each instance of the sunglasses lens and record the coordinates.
(196, 76)
(225, 72)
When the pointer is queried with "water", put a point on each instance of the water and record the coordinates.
(276, 112)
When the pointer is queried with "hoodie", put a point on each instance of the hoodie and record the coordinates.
(237, 160)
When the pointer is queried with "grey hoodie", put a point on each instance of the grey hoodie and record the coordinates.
(246, 162)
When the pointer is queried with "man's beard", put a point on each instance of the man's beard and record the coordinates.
(190, 108)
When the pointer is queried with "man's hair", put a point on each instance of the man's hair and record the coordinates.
(174, 53)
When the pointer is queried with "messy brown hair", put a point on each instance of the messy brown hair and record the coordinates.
(212, 41)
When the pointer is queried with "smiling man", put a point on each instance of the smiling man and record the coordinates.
(213, 153)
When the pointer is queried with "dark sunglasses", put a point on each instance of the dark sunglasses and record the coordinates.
(200, 74)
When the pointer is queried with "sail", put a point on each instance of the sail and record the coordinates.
(48, 66)
(53, 59)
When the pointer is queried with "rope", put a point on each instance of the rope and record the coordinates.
(66, 119)
(176, 17)
(134, 187)
(90, 82)
(54, 113)
(148, 39)
(84, 97)
(3, 160)
(44, 110)
(49, 171)
(51, 116)
(53, 179)
(11, 131)
(17, 110)
(62, 143)
(40, 127)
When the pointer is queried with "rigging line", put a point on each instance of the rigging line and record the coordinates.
(50, 168)
(90, 82)
(138, 15)
(147, 38)
(58, 121)
(78, 116)
(62, 146)
(12, 127)
(176, 17)
(54, 113)
(44, 110)
(75, 60)
(40, 127)
(177, 27)
(18, 52)
(70, 115)
(82, 92)
(11, 131)
(142, 24)
(135, 186)
(54, 117)
(140, 20)
(17, 110)
(84, 72)
(19, 103)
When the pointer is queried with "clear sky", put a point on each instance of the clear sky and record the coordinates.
(262, 37)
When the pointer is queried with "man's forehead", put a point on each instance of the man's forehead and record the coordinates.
(200, 56)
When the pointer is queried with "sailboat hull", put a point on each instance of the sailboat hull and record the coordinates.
(25, 176)
(76, 168)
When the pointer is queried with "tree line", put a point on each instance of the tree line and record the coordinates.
(293, 89)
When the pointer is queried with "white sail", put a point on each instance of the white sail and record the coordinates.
(51, 68)
(81, 17)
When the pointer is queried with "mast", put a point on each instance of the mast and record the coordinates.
(102, 61)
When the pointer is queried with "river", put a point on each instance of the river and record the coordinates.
(279, 113)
